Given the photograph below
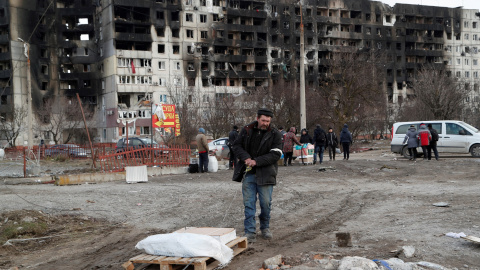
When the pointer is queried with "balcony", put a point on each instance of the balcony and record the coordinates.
(133, 37)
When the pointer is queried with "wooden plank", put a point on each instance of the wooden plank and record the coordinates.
(201, 266)
(170, 260)
(138, 257)
(128, 266)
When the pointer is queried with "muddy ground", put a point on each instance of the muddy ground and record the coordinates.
(383, 200)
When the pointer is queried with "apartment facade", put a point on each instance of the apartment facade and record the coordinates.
(116, 54)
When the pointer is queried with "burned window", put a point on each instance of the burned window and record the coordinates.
(176, 33)
(160, 15)
(44, 86)
(274, 24)
(203, 34)
(176, 49)
(189, 17)
(190, 66)
(4, 100)
(160, 32)
(274, 38)
(189, 33)
(175, 16)
(286, 25)
(161, 48)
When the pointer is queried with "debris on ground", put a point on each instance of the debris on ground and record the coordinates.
(455, 235)
(324, 169)
(441, 204)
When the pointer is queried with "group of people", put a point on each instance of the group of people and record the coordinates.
(426, 137)
(321, 141)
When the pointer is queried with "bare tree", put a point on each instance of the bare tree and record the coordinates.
(61, 119)
(11, 127)
(437, 95)
(351, 92)
(188, 102)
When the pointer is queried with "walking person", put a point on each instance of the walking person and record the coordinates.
(232, 136)
(320, 140)
(305, 137)
(424, 137)
(289, 140)
(202, 150)
(433, 143)
(332, 143)
(257, 149)
(411, 138)
(346, 140)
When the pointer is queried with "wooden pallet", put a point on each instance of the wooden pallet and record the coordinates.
(199, 263)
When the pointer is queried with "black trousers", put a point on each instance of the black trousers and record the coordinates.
(231, 161)
(413, 152)
(346, 150)
(331, 151)
(287, 156)
(432, 146)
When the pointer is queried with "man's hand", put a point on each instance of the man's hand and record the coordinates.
(250, 162)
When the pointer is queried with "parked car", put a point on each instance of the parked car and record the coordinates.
(138, 143)
(71, 150)
(220, 147)
(453, 137)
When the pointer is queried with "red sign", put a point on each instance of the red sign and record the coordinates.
(168, 119)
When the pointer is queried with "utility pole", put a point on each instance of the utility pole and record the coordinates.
(29, 96)
(303, 114)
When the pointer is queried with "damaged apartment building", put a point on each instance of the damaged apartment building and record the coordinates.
(118, 53)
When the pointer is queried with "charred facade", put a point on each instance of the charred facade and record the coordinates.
(118, 53)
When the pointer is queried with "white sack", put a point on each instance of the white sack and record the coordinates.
(212, 164)
(186, 245)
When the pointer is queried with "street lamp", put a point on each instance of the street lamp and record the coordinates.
(29, 95)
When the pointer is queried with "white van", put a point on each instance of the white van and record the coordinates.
(453, 137)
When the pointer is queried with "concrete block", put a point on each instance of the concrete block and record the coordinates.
(273, 261)
(357, 263)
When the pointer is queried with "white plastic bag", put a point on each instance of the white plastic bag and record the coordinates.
(338, 150)
(186, 245)
(212, 164)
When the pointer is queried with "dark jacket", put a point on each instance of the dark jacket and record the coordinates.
(345, 135)
(267, 154)
(306, 138)
(332, 139)
(232, 136)
(412, 138)
(319, 137)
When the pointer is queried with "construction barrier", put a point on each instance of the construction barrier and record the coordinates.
(170, 156)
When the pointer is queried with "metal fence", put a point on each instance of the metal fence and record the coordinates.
(106, 156)
(169, 156)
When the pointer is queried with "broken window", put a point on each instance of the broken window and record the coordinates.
(161, 48)
(160, 15)
(189, 33)
(160, 32)
(204, 66)
(274, 38)
(189, 17)
(203, 18)
(176, 33)
(176, 49)
(175, 16)
(286, 25)
(274, 24)
(286, 39)
(203, 34)
(368, 30)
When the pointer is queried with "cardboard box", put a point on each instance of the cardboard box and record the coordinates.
(224, 235)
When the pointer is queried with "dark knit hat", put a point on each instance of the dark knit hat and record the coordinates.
(235, 127)
(265, 111)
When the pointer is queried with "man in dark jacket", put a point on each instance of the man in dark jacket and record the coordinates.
(232, 136)
(305, 137)
(257, 149)
(346, 140)
(433, 143)
(320, 140)
(332, 143)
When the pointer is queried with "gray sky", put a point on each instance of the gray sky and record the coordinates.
(467, 4)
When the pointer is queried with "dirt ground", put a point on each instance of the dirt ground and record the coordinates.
(383, 200)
